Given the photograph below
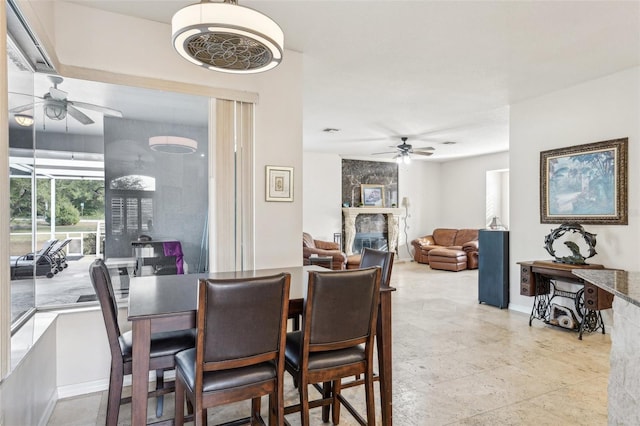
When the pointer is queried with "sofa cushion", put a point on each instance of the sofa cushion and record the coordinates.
(445, 237)
(464, 236)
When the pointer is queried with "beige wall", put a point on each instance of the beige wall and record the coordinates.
(601, 109)
(463, 196)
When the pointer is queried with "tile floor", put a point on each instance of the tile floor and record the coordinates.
(457, 362)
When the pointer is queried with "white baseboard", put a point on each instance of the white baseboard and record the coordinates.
(520, 308)
(76, 389)
(85, 388)
(48, 411)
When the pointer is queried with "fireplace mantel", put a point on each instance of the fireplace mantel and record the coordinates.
(393, 224)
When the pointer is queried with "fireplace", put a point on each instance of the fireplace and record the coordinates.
(373, 227)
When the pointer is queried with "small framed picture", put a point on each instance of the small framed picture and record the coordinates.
(372, 195)
(279, 183)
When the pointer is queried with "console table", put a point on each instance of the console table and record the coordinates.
(537, 279)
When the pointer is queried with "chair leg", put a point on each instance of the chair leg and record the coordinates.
(179, 399)
(303, 389)
(255, 411)
(159, 398)
(371, 406)
(115, 394)
(335, 408)
(273, 407)
(326, 393)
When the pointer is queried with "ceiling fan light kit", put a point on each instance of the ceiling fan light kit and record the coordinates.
(173, 144)
(23, 120)
(56, 106)
(227, 37)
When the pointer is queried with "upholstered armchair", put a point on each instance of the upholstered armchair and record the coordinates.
(322, 249)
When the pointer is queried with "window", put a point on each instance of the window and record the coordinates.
(99, 185)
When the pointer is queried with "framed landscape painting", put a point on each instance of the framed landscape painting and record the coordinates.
(585, 183)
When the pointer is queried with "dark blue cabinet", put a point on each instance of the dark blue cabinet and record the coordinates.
(493, 267)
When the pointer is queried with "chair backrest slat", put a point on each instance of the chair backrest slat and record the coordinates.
(241, 320)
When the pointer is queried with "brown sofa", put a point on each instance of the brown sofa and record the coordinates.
(322, 249)
(455, 249)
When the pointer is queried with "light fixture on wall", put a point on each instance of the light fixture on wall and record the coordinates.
(23, 120)
(173, 144)
(226, 37)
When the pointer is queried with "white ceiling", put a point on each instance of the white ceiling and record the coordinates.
(434, 71)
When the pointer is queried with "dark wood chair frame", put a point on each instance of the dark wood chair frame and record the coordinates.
(384, 259)
(119, 367)
(331, 377)
(254, 391)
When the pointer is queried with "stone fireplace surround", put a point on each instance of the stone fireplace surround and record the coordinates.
(393, 225)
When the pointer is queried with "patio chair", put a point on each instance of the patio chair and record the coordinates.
(36, 264)
(58, 256)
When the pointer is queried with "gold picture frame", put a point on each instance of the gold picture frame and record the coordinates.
(585, 183)
(372, 195)
(279, 183)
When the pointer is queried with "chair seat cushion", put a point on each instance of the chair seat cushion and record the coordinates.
(162, 344)
(320, 360)
(225, 379)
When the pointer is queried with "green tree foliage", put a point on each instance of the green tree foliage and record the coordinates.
(70, 194)
(89, 192)
(20, 198)
(66, 213)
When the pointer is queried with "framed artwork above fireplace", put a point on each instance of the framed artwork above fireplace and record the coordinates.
(372, 195)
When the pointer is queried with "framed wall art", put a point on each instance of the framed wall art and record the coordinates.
(585, 183)
(279, 183)
(372, 195)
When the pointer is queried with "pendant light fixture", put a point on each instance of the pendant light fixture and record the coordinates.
(23, 120)
(173, 144)
(226, 37)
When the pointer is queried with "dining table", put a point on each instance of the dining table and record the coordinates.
(169, 302)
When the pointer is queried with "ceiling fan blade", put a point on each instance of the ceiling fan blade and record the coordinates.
(23, 108)
(79, 115)
(98, 108)
(428, 153)
(380, 153)
(426, 148)
(58, 94)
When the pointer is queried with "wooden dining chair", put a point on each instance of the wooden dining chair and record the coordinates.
(164, 346)
(336, 340)
(384, 259)
(239, 353)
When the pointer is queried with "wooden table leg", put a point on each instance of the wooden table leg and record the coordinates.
(383, 338)
(140, 378)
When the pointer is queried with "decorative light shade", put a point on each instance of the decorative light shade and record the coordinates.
(227, 37)
(23, 120)
(173, 144)
(55, 110)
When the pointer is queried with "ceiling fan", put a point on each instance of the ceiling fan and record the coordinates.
(56, 106)
(404, 151)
